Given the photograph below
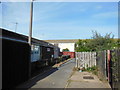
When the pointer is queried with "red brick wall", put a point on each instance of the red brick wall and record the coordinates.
(72, 54)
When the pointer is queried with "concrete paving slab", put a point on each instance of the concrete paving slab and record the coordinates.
(86, 84)
(77, 81)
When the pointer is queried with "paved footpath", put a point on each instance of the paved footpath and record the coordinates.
(64, 77)
(85, 80)
(57, 79)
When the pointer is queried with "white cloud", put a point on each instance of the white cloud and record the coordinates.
(15, 12)
(77, 31)
(15, 0)
(46, 10)
(106, 15)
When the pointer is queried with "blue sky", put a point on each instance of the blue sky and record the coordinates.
(61, 20)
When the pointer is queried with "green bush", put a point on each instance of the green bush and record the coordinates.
(97, 43)
(65, 50)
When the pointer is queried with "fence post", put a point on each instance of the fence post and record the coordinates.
(94, 59)
(76, 59)
(108, 59)
(105, 63)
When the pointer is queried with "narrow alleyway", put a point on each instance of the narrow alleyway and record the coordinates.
(58, 79)
(65, 77)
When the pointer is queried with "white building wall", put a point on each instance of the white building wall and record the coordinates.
(70, 46)
(53, 43)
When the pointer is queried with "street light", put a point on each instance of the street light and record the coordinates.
(30, 27)
(15, 26)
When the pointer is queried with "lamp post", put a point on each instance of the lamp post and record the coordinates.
(15, 26)
(31, 19)
(15, 23)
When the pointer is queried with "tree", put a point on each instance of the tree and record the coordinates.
(81, 45)
(102, 42)
(65, 50)
(97, 43)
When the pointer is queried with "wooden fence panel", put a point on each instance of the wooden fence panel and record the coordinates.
(85, 59)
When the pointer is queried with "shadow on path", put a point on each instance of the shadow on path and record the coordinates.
(35, 79)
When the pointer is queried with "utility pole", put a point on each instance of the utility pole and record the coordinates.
(30, 34)
(30, 27)
(1, 59)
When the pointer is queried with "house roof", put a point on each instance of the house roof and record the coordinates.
(62, 41)
(67, 40)
(12, 35)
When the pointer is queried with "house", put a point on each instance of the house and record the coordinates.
(63, 44)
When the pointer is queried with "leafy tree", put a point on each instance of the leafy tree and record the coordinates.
(102, 42)
(81, 46)
(97, 43)
(65, 50)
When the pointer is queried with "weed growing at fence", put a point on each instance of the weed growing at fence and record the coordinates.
(92, 69)
(95, 71)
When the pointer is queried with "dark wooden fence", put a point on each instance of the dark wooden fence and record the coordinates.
(15, 63)
(115, 69)
(108, 63)
(101, 63)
